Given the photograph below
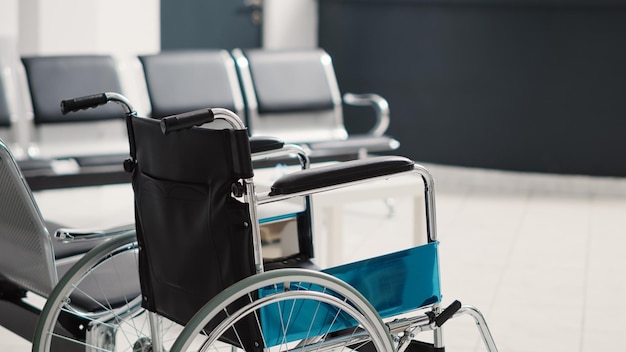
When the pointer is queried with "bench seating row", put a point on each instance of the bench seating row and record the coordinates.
(289, 94)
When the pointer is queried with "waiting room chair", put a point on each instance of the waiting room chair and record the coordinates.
(88, 147)
(294, 95)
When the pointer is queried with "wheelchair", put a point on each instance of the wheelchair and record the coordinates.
(197, 252)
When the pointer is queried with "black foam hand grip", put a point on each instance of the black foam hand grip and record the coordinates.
(186, 120)
(82, 103)
(448, 313)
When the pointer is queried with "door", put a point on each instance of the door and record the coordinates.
(226, 24)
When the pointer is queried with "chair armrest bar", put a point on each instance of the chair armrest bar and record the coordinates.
(380, 105)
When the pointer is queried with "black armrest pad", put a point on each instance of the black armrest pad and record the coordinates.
(263, 144)
(340, 173)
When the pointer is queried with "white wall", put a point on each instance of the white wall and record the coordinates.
(8, 26)
(128, 27)
(290, 23)
(117, 27)
(122, 28)
(8, 19)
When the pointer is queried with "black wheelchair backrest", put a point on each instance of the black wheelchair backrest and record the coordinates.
(195, 237)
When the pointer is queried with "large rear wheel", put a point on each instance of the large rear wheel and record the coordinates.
(96, 306)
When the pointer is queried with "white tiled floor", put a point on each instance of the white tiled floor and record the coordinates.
(541, 255)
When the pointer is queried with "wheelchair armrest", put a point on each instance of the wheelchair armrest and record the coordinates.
(380, 105)
(340, 173)
(71, 235)
(263, 144)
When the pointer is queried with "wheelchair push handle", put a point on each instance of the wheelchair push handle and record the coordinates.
(186, 120)
(95, 100)
(83, 103)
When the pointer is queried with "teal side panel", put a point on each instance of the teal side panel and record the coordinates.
(394, 283)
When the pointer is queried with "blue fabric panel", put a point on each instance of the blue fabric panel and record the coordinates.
(396, 282)
(393, 284)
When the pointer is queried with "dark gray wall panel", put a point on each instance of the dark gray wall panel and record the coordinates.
(516, 85)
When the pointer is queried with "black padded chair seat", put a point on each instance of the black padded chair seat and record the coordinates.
(340, 173)
(102, 160)
(35, 167)
(93, 170)
(101, 169)
(81, 179)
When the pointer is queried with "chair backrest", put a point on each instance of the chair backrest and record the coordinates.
(14, 106)
(55, 78)
(291, 94)
(7, 56)
(185, 80)
(5, 115)
(26, 253)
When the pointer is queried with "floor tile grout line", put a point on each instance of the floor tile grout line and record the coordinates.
(511, 248)
(585, 287)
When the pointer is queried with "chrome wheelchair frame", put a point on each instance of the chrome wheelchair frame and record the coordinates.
(283, 309)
